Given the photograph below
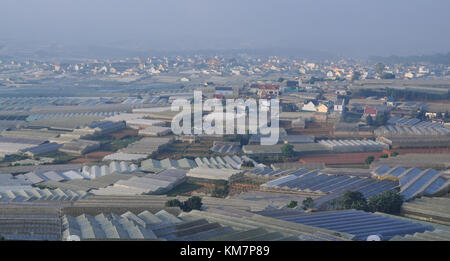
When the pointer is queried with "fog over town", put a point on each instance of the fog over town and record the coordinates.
(224, 121)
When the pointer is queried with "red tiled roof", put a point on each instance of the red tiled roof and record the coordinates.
(370, 110)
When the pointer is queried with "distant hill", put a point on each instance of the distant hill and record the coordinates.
(438, 58)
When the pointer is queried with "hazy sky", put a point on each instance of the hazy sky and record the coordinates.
(349, 27)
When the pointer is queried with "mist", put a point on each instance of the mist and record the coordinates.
(347, 27)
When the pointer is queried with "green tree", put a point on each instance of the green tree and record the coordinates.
(369, 120)
(292, 204)
(221, 192)
(356, 75)
(384, 156)
(308, 203)
(248, 164)
(369, 159)
(379, 68)
(287, 150)
(354, 200)
(192, 203)
(380, 120)
(173, 203)
(388, 202)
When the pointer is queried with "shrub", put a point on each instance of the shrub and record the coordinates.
(369, 159)
(292, 204)
(394, 153)
(287, 150)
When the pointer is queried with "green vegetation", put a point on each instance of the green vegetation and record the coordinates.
(248, 164)
(173, 203)
(379, 68)
(292, 204)
(287, 150)
(394, 154)
(289, 107)
(184, 188)
(388, 202)
(191, 204)
(221, 191)
(188, 205)
(114, 145)
(384, 156)
(356, 75)
(369, 159)
(60, 157)
(354, 200)
(380, 120)
(14, 157)
(351, 117)
(308, 203)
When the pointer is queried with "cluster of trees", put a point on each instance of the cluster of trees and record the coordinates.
(380, 120)
(388, 202)
(380, 70)
(356, 75)
(248, 164)
(308, 203)
(370, 159)
(188, 205)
